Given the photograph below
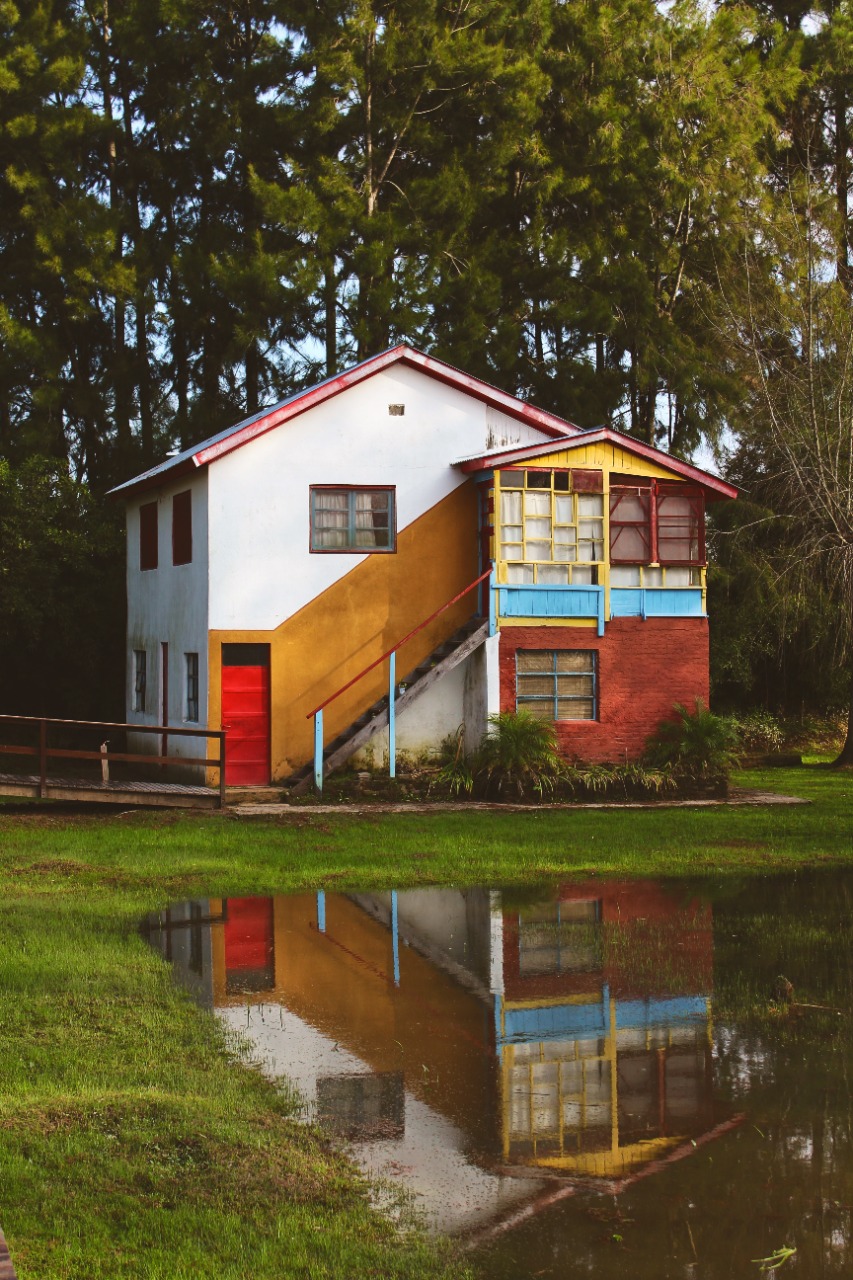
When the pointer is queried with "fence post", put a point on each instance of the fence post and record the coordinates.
(392, 715)
(222, 736)
(318, 749)
(42, 759)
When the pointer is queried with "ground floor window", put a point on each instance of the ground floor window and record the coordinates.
(557, 684)
(191, 660)
(140, 679)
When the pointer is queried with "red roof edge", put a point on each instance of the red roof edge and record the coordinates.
(718, 488)
(548, 423)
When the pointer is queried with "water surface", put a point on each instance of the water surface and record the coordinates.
(596, 1078)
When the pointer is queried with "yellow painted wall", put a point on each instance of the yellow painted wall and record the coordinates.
(341, 983)
(353, 622)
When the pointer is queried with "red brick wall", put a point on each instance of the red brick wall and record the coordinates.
(643, 668)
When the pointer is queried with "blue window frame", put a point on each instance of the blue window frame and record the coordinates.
(353, 519)
(557, 684)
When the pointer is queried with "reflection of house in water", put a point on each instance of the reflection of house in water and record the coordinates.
(458, 1036)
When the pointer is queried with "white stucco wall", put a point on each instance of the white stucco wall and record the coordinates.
(169, 605)
(261, 568)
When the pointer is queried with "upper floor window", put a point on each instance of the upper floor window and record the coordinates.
(148, 535)
(654, 522)
(182, 528)
(551, 526)
(354, 519)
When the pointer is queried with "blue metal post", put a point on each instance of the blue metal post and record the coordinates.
(318, 750)
(321, 911)
(493, 615)
(601, 611)
(395, 938)
(392, 715)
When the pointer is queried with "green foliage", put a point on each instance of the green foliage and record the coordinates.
(519, 752)
(758, 731)
(61, 596)
(696, 744)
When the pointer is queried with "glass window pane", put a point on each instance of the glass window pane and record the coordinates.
(538, 479)
(628, 543)
(590, 529)
(575, 686)
(561, 480)
(565, 535)
(678, 577)
(539, 550)
(565, 554)
(653, 577)
(553, 575)
(529, 685)
(537, 529)
(519, 573)
(511, 533)
(534, 660)
(537, 504)
(629, 507)
(512, 479)
(543, 709)
(590, 504)
(575, 709)
(564, 512)
(512, 551)
(583, 577)
(575, 659)
(511, 508)
(628, 576)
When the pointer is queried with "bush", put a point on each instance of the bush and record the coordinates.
(759, 731)
(519, 752)
(697, 745)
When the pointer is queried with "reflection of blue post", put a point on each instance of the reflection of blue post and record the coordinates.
(392, 697)
(498, 1029)
(605, 1000)
(395, 938)
(321, 911)
(318, 750)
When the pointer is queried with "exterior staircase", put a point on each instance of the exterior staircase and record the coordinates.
(443, 659)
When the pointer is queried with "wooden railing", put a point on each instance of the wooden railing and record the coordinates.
(44, 752)
(391, 656)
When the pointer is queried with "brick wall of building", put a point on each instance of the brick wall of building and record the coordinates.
(643, 668)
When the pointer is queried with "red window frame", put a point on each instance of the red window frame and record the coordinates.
(695, 523)
(148, 535)
(642, 527)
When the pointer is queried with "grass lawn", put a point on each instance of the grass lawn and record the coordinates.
(131, 1143)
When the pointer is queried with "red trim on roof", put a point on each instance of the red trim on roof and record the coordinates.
(489, 461)
(545, 422)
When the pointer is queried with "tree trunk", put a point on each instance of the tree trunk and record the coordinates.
(845, 757)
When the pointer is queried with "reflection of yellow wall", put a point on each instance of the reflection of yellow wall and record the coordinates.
(354, 622)
(601, 456)
(341, 983)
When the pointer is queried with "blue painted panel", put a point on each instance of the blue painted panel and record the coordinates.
(626, 602)
(674, 602)
(586, 1021)
(550, 602)
(656, 602)
(672, 1012)
(554, 1022)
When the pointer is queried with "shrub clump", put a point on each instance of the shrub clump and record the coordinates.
(697, 747)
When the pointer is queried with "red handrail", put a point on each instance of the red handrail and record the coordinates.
(400, 643)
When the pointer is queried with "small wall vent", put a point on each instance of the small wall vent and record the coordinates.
(396, 410)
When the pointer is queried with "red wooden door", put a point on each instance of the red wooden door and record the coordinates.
(246, 713)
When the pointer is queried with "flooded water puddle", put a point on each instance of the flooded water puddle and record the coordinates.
(609, 1079)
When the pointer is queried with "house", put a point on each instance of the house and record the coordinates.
(521, 561)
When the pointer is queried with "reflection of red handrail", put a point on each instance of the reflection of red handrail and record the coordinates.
(400, 643)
